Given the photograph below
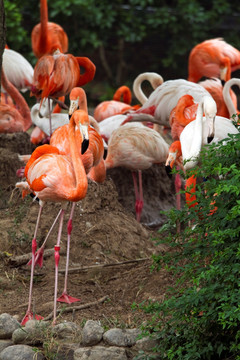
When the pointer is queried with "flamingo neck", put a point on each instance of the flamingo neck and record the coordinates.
(20, 102)
(44, 18)
(123, 93)
(80, 191)
(137, 89)
(227, 97)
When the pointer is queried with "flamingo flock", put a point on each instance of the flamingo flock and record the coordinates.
(196, 113)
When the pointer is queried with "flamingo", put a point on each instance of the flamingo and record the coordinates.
(200, 132)
(44, 173)
(213, 58)
(56, 75)
(14, 118)
(17, 70)
(155, 80)
(137, 148)
(112, 107)
(165, 97)
(47, 36)
(231, 105)
(92, 160)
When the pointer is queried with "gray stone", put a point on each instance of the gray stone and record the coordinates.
(4, 344)
(67, 330)
(92, 333)
(7, 326)
(146, 344)
(119, 337)
(32, 334)
(100, 353)
(20, 352)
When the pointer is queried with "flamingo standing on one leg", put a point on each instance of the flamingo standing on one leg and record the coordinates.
(136, 147)
(47, 36)
(14, 118)
(213, 58)
(44, 173)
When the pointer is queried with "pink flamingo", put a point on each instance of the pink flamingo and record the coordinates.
(136, 147)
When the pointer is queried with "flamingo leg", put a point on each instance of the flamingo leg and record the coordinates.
(39, 253)
(50, 117)
(29, 315)
(65, 297)
(57, 258)
(138, 194)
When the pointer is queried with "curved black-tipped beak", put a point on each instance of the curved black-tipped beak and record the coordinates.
(85, 144)
(69, 116)
(209, 139)
(168, 171)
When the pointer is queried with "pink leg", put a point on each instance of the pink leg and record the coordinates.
(65, 297)
(50, 118)
(39, 253)
(57, 258)
(138, 194)
(29, 314)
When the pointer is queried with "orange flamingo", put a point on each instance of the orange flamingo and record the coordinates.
(91, 152)
(213, 58)
(55, 75)
(44, 173)
(14, 118)
(47, 36)
(136, 147)
(113, 107)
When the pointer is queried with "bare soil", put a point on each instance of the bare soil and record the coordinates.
(105, 232)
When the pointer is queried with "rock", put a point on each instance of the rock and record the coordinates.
(32, 334)
(4, 344)
(146, 344)
(100, 353)
(92, 333)
(67, 330)
(7, 326)
(119, 337)
(20, 352)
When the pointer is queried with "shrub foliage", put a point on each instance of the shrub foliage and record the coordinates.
(200, 317)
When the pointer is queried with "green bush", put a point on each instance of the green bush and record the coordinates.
(200, 317)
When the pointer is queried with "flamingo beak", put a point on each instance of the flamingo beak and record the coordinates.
(211, 130)
(73, 106)
(85, 142)
(223, 73)
(169, 164)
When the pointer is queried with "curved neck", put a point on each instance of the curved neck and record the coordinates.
(80, 191)
(154, 79)
(89, 68)
(20, 102)
(227, 97)
(124, 93)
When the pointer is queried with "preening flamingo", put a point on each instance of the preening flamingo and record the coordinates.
(165, 97)
(47, 36)
(215, 88)
(59, 178)
(213, 58)
(136, 147)
(17, 70)
(14, 118)
(200, 132)
(55, 75)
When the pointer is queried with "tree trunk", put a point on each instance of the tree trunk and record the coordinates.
(2, 33)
